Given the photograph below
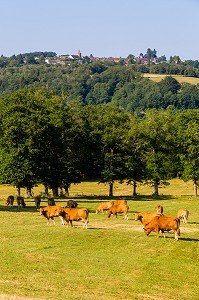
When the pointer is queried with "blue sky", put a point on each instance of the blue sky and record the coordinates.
(100, 27)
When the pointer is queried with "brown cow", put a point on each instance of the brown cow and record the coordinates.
(145, 217)
(51, 202)
(104, 206)
(163, 223)
(10, 200)
(183, 213)
(117, 209)
(50, 212)
(159, 209)
(75, 214)
(72, 203)
(118, 202)
(37, 201)
(20, 202)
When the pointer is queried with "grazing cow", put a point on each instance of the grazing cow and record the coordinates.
(118, 202)
(104, 206)
(159, 209)
(50, 212)
(10, 200)
(183, 213)
(75, 214)
(37, 201)
(72, 204)
(163, 223)
(51, 202)
(117, 209)
(20, 202)
(145, 217)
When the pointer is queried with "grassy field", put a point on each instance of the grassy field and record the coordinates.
(181, 79)
(110, 260)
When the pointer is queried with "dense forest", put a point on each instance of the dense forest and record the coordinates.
(103, 82)
(61, 124)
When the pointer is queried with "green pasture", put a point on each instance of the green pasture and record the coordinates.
(179, 78)
(110, 260)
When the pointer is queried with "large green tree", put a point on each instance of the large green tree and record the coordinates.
(158, 136)
(23, 135)
(108, 127)
(38, 140)
(135, 163)
(187, 125)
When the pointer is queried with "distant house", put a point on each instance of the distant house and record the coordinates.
(76, 56)
(110, 59)
(145, 61)
(54, 61)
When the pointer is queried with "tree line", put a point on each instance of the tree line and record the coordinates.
(102, 83)
(56, 141)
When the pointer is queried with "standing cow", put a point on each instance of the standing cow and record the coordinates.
(104, 206)
(50, 212)
(37, 201)
(163, 223)
(145, 217)
(76, 214)
(10, 201)
(20, 202)
(159, 209)
(51, 202)
(118, 209)
(72, 203)
(183, 214)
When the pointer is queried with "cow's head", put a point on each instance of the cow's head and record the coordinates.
(108, 213)
(41, 211)
(147, 230)
(137, 217)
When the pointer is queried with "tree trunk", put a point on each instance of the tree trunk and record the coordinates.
(66, 187)
(134, 188)
(45, 189)
(111, 189)
(29, 192)
(61, 191)
(55, 191)
(195, 187)
(155, 187)
(18, 191)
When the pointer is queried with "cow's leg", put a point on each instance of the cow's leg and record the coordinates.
(71, 223)
(176, 235)
(67, 223)
(62, 220)
(85, 224)
(53, 220)
(126, 217)
(157, 230)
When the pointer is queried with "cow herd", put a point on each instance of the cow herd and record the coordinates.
(154, 221)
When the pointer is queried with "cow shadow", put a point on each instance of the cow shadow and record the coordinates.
(16, 209)
(98, 199)
(193, 222)
(189, 240)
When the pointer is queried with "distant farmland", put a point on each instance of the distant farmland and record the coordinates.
(181, 79)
